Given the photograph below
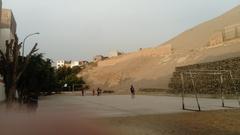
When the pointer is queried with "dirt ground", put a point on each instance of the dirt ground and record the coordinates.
(224, 122)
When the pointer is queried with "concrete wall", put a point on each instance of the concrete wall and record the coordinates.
(2, 90)
(8, 20)
(0, 9)
(228, 33)
(231, 32)
(5, 34)
(216, 39)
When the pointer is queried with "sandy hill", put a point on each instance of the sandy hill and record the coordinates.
(153, 67)
(199, 35)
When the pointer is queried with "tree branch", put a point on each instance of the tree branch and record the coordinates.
(34, 49)
(3, 56)
(8, 49)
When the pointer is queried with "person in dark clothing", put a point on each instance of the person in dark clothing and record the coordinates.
(132, 90)
(99, 91)
(83, 92)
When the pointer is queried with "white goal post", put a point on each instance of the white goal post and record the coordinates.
(217, 73)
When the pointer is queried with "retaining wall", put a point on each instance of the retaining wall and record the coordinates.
(208, 83)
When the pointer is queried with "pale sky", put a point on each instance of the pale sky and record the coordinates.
(81, 29)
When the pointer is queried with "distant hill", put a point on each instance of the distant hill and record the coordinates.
(153, 67)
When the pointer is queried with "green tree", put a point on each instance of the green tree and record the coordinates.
(9, 66)
(38, 77)
(66, 75)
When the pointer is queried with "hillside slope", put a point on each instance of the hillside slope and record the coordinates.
(153, 67)
(198, 36)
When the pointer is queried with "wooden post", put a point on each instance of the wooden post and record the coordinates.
(183, 90)
(222, 93)
(196, 92)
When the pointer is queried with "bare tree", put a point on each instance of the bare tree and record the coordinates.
(9, 66)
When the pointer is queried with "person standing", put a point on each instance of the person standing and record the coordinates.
(93, 92)
(83, 92)
(99, 91)
(132, 90)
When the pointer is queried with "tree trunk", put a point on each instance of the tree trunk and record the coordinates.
(9, 66)
(12, 94)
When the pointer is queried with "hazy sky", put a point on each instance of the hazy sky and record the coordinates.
(80, 29)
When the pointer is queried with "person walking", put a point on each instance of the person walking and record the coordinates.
(132, 90)
(99, 91)
(83, 92)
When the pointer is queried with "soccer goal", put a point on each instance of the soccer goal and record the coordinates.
(198, 79)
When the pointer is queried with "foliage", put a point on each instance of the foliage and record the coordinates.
(67, 75)
(9, 63)
(39, 76)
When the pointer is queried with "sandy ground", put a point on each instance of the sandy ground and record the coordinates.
(224, 122)
(122, 115)
(150, 115)
(124, 105)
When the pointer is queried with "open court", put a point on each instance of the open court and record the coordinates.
(124, 105)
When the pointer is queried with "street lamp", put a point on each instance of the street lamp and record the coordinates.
(37, 33)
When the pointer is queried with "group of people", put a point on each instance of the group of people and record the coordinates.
(99, 92)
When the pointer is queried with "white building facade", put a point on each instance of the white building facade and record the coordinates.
(71, 64)
(7, 31)
(114, 54)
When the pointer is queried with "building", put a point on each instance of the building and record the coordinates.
(2, 95)
(115, 54)
(74, 64)
(83, 63)
(71, 64)
(99, 58)
(7, 30)
(63, 63)
(8, 27)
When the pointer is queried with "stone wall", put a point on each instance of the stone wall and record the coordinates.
(228, 33)
(205, 83)
(231, 32)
